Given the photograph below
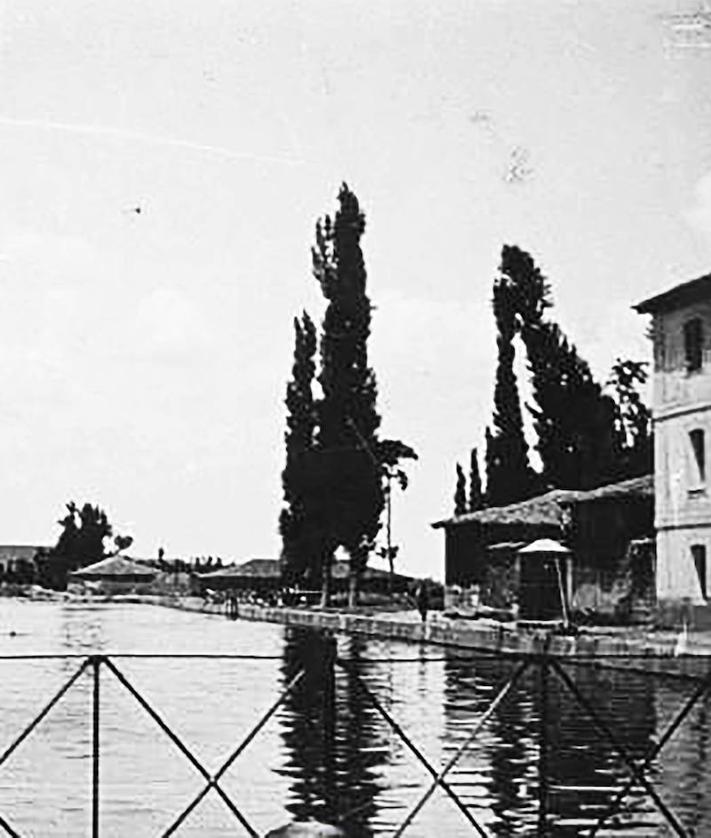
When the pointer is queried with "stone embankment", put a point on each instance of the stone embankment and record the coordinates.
(629, 648)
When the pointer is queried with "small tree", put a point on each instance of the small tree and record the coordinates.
(476, 496)
(122, 542)
(634, 418)
(460, 493)
(389, 456)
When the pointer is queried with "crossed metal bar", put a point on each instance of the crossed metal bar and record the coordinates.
(212, 780)
(696, 696)
(636, 768)
(546, 663)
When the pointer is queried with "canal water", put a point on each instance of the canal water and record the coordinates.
(353, 768)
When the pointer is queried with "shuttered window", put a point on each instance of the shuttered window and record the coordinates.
(694, 344)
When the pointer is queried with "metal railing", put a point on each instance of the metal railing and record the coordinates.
(550, 668)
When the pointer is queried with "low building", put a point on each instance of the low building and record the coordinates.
(15, 556)
(114, 575)
(263, 577)
(681, 409)
(602, 527)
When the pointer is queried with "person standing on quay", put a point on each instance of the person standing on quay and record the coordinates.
(422, 601)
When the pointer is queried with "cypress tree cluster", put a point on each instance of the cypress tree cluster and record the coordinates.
(585, 435)
(344, 467)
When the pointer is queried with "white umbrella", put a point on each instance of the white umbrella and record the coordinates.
(545, 545)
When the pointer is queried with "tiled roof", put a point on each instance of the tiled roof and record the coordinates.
(679, 295)
(548, 509)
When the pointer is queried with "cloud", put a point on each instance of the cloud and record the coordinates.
(146, 139)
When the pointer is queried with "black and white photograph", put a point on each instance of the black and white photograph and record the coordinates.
(355, 418)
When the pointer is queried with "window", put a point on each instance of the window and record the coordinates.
(697, 439)
(693, 344)
(698, 551)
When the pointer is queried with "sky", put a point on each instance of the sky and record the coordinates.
(144, 354)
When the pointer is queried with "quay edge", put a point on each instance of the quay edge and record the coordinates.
(651, 653)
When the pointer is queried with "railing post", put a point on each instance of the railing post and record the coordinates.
(543, 748)
(330, 651)
(95, 666)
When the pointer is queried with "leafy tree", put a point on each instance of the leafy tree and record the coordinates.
(509, 475)
(460, 493)
(634, 418)
(122, 542)
(389, 455)
(476, 497)
(295, 523)
(80, 543)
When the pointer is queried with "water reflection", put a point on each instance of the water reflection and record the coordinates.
(334, 739)
(525, 741)
(334, 759)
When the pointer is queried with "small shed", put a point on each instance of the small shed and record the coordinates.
(545, 580)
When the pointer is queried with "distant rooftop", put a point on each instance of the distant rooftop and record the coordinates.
(271, 569)
(678, 296)
(115, 567)
(19, 551)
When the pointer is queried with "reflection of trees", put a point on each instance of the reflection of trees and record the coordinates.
(498, 757)
(333, 754)
(683, 773)
(581, 766)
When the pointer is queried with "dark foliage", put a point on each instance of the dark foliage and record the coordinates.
(509, 475)
(476, 497)
(338, 470)
(585, 436)
(352, 498)
(460, 493)
(573, 419)
(634, 418)
(295, 525)
(80, 543)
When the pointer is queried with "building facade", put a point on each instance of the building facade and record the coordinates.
(603, 528)
(681, 330)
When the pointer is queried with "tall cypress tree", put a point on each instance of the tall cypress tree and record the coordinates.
(509, 475)
(348, 421)
(476, 499)
(460, 493)
(573, 419)
(296, 525)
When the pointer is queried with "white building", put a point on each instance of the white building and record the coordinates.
(681, 329)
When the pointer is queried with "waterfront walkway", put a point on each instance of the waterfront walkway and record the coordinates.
(635, 647)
